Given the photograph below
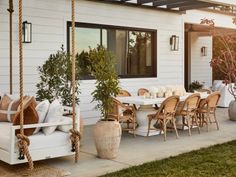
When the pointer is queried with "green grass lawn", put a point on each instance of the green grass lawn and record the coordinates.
(215, 161)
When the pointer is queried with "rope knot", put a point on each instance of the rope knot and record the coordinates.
(23, 144)
(75, 139)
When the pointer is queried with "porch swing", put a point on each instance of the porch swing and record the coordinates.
(15, 145)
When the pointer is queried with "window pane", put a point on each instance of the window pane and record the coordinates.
(133, 50)
(85, 38)
(117, 45)
(140, 53)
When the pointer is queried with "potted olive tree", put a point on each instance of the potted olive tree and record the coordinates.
(55, 78)
(107, 132)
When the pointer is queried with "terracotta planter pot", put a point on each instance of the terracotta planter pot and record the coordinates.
(107, 135)
(232, 110)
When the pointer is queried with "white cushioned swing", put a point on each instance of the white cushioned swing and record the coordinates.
(41, 147)
(15, 149)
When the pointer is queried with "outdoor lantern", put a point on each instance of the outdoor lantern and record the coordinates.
(204, 51)
(174, 43)
(27, 32)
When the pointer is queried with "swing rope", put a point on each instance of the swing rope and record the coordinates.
(75, 135)
(23, 142)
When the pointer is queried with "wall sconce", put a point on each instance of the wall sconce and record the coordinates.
(27, 32)
(174, 43)
(204, 51)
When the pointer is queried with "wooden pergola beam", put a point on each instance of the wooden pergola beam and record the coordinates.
(166, 2)
(170, 4)
(182, 3)
(197, 6)
(144, 1)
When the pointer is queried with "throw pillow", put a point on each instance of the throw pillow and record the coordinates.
(8, 108)
(42, 110)
(65, 128)
(30, 115)
(53, 116)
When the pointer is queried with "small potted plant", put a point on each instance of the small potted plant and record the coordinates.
(195, 85)
(107, 132)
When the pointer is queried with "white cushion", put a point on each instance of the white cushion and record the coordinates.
(226, 97)
(55, 140)
(53, 116)
(65, 128)
(217, 84)
(5, 142)
(42, 110)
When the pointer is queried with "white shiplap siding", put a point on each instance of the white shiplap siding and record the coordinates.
(49, 19)
(200, 65)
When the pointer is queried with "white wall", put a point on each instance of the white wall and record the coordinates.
(200, 69)
(221, 20)
(49, 32)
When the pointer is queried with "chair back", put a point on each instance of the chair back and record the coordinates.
(142, 91)
(123, 93)
(212, 100)
(208, 91)
(115, 111)
(168, 107)
(191, 103)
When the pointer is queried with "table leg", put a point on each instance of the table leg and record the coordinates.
(142, 120)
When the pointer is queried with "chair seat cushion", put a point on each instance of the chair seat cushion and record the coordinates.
(5, 141)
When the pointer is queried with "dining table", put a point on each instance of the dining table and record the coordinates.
(145, 107)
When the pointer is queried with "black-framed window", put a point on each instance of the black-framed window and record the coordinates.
(135, 49)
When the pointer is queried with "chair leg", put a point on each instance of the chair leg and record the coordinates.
(197, 123)
(134, 123)
(161, 127)
(128, 124)
(201, 117)
(164, 126)
(189, 126)
(207, 123)
(183, 122)
(176, 131)
(149, 126)
(216, 121)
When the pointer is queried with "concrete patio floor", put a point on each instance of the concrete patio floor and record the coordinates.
(135, 151)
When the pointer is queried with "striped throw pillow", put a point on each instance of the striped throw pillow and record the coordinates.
(8, 108)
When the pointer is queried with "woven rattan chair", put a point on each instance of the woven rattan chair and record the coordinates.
(123, 93)
(188, 111)
(207, 110)
(208, 91)
(142, 91)
(125, 114)
(165, 115)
